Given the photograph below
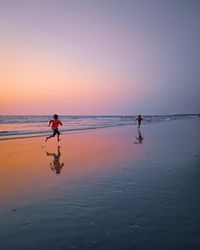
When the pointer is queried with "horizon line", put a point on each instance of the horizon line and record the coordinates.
(101, 114)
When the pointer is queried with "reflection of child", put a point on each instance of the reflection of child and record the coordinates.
(54, 125)
(139, 119)
(139, 138)
(56, 165)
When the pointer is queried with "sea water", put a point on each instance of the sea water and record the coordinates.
(25, 126)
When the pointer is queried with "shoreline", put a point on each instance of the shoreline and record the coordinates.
(24, 128)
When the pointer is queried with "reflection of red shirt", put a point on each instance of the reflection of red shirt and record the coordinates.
(55, 123)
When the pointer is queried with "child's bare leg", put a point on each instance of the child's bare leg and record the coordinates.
(58, 138)
(47, 138)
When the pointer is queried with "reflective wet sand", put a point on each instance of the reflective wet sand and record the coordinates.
(104, 189)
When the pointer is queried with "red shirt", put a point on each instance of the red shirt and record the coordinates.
(55, 123)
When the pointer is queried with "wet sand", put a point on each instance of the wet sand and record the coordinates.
(104, 189)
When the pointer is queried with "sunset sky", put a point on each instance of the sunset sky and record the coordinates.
(85, 57)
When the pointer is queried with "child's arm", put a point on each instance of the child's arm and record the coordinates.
(60, 123)
(50, 123)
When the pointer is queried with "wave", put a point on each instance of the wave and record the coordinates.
(7, 119)
(7, 135)
(12, 127)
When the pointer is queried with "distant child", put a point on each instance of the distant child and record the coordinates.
(54, 125)
(139, 119)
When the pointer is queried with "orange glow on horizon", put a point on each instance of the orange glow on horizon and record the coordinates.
(41, 84)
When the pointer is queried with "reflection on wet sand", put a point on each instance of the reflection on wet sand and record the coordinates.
(56, 166)
(23, 162)
(139, 137)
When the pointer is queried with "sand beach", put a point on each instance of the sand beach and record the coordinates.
(103, 189)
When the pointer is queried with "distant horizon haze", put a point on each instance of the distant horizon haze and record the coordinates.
(90, 115)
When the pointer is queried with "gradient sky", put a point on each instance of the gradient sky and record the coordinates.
(99, 57)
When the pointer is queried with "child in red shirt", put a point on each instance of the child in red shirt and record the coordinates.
(54, 125)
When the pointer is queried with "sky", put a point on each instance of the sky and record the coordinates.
(102, 57)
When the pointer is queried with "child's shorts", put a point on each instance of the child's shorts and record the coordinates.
(55, 131)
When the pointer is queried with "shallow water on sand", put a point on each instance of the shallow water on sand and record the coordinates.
(102, 190)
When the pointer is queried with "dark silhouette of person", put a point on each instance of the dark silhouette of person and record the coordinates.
(139, 119)
(139, 137)
(56, 166)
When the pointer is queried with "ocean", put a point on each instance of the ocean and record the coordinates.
(26, 126)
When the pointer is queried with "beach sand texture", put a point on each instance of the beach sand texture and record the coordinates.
(103, 189)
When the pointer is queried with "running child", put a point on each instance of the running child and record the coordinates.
(54, 125)
(139, 119)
